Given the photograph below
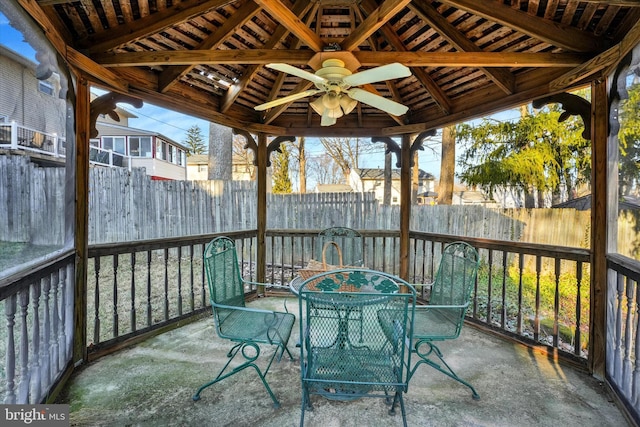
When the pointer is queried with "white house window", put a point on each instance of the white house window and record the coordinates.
(203, 168)
(45, 87)
(115, 143)
(140, 146)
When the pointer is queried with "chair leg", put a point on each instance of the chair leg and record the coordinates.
(424, 358)
(247, 364)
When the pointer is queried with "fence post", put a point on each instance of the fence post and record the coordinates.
(14, 135)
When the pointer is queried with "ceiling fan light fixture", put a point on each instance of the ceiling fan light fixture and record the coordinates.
(347, 103)
(331, 101)
(318, 105)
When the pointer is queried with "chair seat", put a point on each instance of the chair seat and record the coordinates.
(358, 370)
(257, 326)
(436, 323)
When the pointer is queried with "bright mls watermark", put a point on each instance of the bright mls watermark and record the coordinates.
(34, 415)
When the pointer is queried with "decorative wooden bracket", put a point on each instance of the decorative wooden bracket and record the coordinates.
(573, 105)
(251, 144)
(393, 147)
(106, 104)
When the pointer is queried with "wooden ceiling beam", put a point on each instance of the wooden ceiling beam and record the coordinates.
(171, 75)
(376, 19)
(148, 25)
(501, 77)
(366, 58)
(284, 16)
(300, 8)
(439, 97)
(600, 63)
(557, 34)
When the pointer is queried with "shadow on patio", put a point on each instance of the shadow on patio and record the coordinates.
(152, 384)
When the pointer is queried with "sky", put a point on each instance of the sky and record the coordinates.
(174, 125)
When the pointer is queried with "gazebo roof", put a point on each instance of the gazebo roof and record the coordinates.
(207, 57)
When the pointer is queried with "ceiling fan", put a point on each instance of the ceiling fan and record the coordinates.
(340, 96)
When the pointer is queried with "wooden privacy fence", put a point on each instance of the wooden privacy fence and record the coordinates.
(127, 206)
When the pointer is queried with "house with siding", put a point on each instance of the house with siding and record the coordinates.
(161, 157)
(32, 109)
(364, 180)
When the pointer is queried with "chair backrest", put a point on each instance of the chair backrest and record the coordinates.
(456, 275)
(226, 286)
(350, 242)
(354, 342)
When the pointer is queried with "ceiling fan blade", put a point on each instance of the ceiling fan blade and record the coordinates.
(377, 101)
(326, 119)
(286, 99)
(384, 72)
(290, 69)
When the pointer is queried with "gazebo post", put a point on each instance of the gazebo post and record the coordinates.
(261, 252)
(83, 126)
(599, 225)
(405, 204)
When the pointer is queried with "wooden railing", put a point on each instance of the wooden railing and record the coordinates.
(136, 287)
(534, 293)
(623, 331)
(37, 330)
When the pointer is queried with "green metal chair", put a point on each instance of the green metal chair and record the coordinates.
(350, 242)
(353, 343)
(246, 327)
(442, 318)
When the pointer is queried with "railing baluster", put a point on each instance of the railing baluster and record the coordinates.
(617, 364)
(46, 326)
(179, 280)
(36, 390)
(635, 393)
(149, 308)
(23, 385)
(96, 302)
(116, 317)
(578, 337)
(628, 336)
(62, 336)
(54, 352)
(490, 289)
(536, 319)
(556, 303)
(10, 355)
(503, 314)
(520, 314)
(166, 284)
(132, 310)
(192, 295)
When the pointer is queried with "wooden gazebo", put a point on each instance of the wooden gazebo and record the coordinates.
(207, 58)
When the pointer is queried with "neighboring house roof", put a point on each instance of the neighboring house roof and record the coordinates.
(125, 130)
(333, 188)
(378, 174)
(17, 57)
(198, 159)
(584, 203)
(470, 196)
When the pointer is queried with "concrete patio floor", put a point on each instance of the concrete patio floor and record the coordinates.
(151, 384)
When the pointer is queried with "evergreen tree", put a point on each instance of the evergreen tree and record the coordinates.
(280, 164)
(535, 153)
(195, 141)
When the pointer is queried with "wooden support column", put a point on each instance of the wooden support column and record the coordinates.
(262, 158)
(405, 205)
(599, 133)
(82, 129)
